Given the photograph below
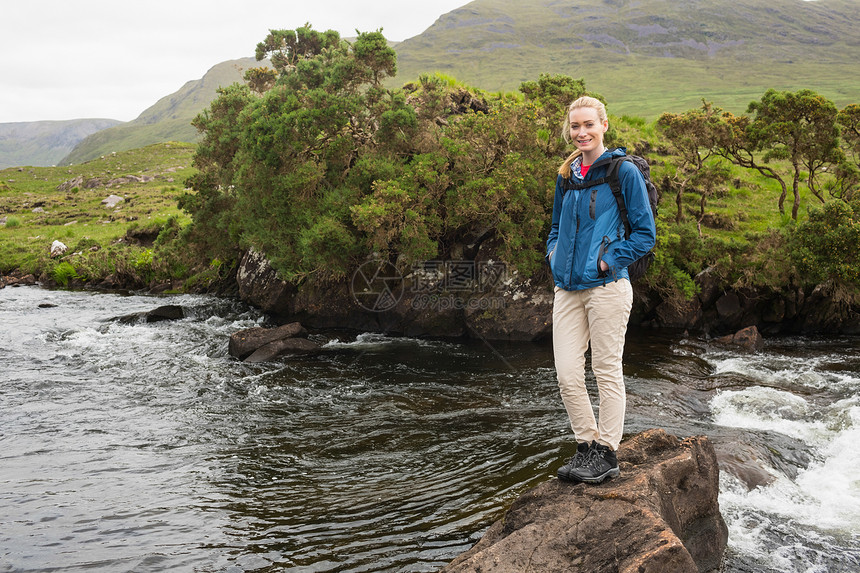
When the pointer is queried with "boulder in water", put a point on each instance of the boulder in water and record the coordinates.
(166, 312)
(284, 347)
(747, 338)
(660, 516)
(264, 344)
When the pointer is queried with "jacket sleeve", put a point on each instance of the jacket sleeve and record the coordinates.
(556, 216)
(643, 232)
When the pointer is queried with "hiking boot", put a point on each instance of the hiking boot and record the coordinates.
(575, 462)
(600, 464)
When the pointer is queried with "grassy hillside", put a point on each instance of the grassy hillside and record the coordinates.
(649, 56)
(44, 143)
(168, 120)
(39, 205)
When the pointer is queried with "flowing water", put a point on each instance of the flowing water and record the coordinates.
(145, 447)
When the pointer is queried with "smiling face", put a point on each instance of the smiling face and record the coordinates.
(586, 131)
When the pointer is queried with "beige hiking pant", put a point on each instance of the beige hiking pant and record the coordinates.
(598, 315)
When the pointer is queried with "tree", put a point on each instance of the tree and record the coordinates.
(733, 140)
(847, 174)
(692, 137)
(476, 178)
(275, 160)
(799, 127)
(212, 204)
(285, 48)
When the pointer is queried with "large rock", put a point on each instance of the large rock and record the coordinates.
(517, 309)
(265, 344)
(285, 347)
(260, 285)
(527, 317)
(162, 313)
(245, 342)
(679, 313)
(112, 201)
(828, 310)
(660, 516)
(747, 338)
(58, 249)
(513, 311)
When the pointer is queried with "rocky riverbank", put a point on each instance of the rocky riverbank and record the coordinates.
(427, 304)
(522, 310)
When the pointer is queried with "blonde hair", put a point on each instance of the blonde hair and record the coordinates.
(584, 101)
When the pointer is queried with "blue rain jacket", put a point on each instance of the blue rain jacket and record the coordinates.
(587, 227)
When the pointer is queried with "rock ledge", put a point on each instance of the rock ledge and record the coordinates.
(661, 516)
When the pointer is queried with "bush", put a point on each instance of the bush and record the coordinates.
(825, 246)
(63, 273)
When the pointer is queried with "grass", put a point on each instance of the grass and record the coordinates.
(41, 211)
(728, 52)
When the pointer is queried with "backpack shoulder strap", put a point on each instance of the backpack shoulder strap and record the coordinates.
(569, 184)
(615, 184)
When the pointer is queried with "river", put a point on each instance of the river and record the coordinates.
(145, 447)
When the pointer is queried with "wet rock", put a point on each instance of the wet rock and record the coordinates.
(660, 516)
(729, 306)
(709, 285)
(286, 347)
(747, 338)
(166, 312)
(110, 282)
(521, 312)
(17, 279)
(245, 342)
(680, 314)
(260, 285)
(828, 309)
(496, 317)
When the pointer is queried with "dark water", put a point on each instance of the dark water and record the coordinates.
(146, 448)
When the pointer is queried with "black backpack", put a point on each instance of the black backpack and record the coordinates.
(640, 266)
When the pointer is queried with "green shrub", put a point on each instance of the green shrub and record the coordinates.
(827, 245)
(63, 273)
(85, 244)
(13, 222)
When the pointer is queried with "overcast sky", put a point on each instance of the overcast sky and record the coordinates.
(69, 59)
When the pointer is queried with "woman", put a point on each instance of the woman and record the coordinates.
(588, 255)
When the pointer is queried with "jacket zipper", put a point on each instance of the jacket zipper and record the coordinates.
(576, 197)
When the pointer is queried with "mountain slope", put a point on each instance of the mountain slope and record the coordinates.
(44, 143)
(644, 56)
(648, 56)
(169, 119)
